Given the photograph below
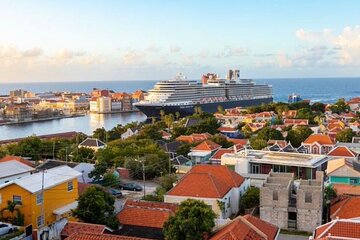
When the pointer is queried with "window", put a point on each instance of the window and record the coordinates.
(0, 198)
(308, 197)
(39, 198)
(353, 181)
(275, 195)
(17, 199)
(255, 169)
(40, 220)
(70, 186)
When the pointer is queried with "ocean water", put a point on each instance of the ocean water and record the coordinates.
(316, 89)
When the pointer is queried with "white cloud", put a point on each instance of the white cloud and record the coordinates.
(346, 45)
(133, 57)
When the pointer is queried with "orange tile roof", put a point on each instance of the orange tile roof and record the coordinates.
(146, 214)
(247, 227)
(227, 129)
(91, 236)
(342, 151)
(195, 137)
(19, 159)
(320, 138)
(281, 143)
(238, 141)
(221, 172)
(346, 189)
(220, 152)
(339, 228)
(301, 122)
(210, 181)
(80, 227)
(206, 145)
(345, 206)
(200, 185)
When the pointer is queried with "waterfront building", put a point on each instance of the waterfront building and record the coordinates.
(126, 100)
(100, 105)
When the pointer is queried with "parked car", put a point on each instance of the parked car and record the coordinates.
(6, 228)
(115, 192)
(131, 187)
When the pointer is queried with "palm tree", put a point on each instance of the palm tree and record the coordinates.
(177, 115)
(12, 214)
(162, 114)
(169, 119)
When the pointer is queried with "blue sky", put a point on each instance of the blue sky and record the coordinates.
(149, 39)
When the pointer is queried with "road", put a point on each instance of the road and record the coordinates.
(150, 188)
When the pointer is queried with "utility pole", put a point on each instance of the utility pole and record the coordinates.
(143, 168)
(66, 157)
(53, 150)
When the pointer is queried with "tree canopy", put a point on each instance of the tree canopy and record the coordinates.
(345, 135)
(250, 199)
(192, 220)
(298, 135)
(96, 206)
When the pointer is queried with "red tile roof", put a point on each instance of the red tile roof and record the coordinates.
(195, 137)
(342, 151)
(19, 159)
(146, 214)
(221, 172)
(238, 141)
(227, 129)
(319, 138)
(300, 122)
(247, 227)
(206, 145)
(210, 181)
(347, 189)
(339, 228)
(281, 143)
(345, 206)
(79, 227)
(90, 236)
(220, 152)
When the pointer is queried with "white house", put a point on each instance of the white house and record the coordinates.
(11, 170)
(129, 133)
(92, 143)
(218, 186)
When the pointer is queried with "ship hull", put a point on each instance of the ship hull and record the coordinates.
(186, 110)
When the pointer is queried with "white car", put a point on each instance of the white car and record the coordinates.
(6, 228)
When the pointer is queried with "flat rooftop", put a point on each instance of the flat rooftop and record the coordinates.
(281, 158)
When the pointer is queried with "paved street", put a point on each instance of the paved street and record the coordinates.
(150, 188)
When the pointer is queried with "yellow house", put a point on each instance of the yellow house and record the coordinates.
(60, 195)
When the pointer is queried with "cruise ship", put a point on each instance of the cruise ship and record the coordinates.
(183, 96)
